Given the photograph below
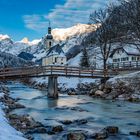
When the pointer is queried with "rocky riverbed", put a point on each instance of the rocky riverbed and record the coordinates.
(126, 87)
(76, 117)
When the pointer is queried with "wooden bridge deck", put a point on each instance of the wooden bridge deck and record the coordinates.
(37, 71)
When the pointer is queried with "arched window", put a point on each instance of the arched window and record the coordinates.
(50, 43)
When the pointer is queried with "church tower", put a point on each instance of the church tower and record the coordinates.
(49, 38)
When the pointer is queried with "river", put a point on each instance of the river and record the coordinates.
(99, 113)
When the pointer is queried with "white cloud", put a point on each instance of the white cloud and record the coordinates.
(72, 12)
(35, 22)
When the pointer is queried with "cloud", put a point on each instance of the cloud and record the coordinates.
(72, 12)
(35, 22)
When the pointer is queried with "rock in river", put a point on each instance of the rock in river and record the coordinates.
(76, 136)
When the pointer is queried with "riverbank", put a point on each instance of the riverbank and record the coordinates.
(68, 117)
(6, 130)
(25, 125)
(123, 87)
(79, 113)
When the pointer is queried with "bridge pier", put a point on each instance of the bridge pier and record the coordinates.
(52, 87)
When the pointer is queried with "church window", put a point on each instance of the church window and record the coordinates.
(50, 43)
(55, 60)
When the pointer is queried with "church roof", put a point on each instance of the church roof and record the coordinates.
(57, 49)
(49, 36)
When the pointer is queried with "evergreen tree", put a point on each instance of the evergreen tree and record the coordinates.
(84, 59)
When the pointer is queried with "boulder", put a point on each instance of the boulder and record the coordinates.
(112, 129)
(51, 130)
(99, 93)
(138, 133)
(66, 122)
(82, 121)
(103, 134)
(72, 93)
(92, 92)
(58, 128)
(135, 133)
(76, 136)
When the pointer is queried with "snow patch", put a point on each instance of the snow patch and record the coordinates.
(7, 132)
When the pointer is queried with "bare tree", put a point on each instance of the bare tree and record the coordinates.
(104, 35)
(131, 14)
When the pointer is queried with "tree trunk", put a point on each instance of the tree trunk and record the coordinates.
(105, 71)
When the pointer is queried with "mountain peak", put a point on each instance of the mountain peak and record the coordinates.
(3, 37)
(25, 40)
(78, 29)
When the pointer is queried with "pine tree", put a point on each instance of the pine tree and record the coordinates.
(84, 59)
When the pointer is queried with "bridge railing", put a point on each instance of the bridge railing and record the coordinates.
(52, 70)
(125, 65)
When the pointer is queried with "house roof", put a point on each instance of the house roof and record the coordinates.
(132, 50)
(129, 50)
(57, 49)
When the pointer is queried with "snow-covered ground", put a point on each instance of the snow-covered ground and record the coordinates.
(7, 132)
(124, 77)
(75, 61)
(66, 82)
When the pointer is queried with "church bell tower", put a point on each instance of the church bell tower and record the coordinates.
(49, 38)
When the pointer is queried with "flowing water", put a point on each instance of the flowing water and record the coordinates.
(99, 113)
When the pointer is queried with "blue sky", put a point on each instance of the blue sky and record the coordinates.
(29, 18)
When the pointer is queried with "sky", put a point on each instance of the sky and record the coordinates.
(30, 18)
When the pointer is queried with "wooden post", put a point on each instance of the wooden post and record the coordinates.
(66, 71)
(52, 87)
(92, 72)
(51, 70)
(130, 63)
(137, 64)
(79, 72)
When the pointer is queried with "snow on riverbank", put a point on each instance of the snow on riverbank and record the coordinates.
(7, 132)
(125, 77)
(66, 82)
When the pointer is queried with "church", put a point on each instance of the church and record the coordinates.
(55, 54)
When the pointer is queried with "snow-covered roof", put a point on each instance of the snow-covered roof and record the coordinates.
(129, 49)
(56, 50)
(132, 50)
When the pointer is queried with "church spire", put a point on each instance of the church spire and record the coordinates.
(49, 37)
(49, 28)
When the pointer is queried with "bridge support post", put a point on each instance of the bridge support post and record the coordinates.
(52, 87)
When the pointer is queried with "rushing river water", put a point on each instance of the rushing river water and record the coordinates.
(99, 113)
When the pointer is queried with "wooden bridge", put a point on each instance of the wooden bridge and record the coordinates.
(52, 72)
(39, 71)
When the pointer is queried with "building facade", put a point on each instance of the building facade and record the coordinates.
(125, 56)
(55, 54)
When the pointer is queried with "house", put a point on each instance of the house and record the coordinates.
(55, 54)
(125, 56)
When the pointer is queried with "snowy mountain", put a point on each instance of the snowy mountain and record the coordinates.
(73, 36)
(9, 60)
(77, 30)
(15, 48)
(69, 37)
